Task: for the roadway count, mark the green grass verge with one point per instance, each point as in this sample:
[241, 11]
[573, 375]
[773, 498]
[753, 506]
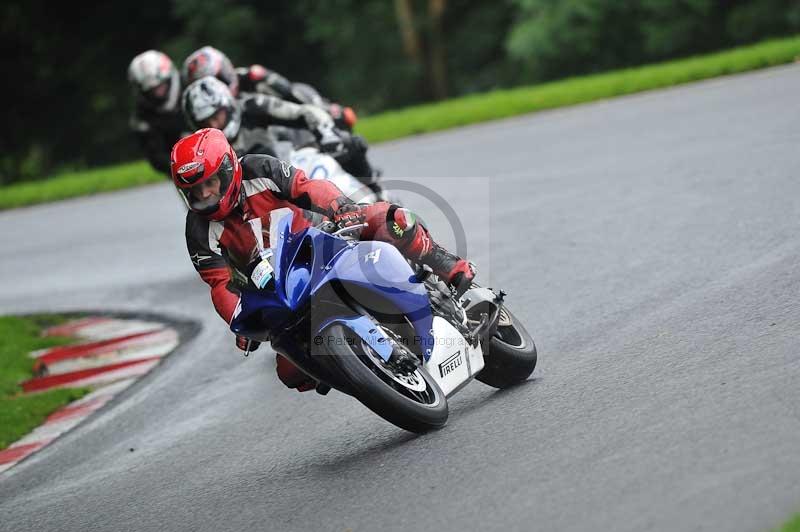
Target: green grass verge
[19, 414]
[453, 113]
[80, 183]
[510, 102]
[793, 525]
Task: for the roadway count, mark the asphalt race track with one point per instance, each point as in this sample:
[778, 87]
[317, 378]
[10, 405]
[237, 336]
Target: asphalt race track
[650, 243]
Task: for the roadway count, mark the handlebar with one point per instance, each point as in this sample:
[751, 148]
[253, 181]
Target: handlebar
[327, 227]
[334, 230]
[349, 229]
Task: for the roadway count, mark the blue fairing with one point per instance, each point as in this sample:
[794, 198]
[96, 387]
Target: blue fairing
[389, 277]
[366, 330]
[306, 261]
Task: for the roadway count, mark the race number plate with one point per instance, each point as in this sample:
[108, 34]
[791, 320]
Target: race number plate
[263, 271]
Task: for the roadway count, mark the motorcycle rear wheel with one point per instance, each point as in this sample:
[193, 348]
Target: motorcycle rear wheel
[510, 354]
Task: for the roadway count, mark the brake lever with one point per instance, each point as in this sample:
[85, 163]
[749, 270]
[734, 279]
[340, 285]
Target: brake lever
[350, 229]
[327, 227]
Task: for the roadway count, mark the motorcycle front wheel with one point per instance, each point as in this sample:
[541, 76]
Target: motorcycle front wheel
[411, 401]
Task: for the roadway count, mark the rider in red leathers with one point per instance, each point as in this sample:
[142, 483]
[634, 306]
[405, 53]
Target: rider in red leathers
[224, 193]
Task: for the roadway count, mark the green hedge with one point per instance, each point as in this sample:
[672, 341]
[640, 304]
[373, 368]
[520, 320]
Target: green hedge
[453, 113]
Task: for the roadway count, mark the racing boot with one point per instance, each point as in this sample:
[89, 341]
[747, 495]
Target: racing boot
[292, 376]
[458, 273]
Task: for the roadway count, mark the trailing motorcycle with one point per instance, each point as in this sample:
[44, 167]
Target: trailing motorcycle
[301, 149]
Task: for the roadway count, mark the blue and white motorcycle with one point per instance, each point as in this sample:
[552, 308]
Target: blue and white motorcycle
[355, 316]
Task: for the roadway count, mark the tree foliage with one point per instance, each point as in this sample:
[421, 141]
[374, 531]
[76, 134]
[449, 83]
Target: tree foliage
[68, 101]
[554, 38]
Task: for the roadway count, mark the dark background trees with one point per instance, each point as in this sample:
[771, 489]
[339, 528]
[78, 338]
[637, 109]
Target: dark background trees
[67, 99]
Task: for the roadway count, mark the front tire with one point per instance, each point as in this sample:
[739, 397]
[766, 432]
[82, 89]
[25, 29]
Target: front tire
[414, 402]
[510, 354]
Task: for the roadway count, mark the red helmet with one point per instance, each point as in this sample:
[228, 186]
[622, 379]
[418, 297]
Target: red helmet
[207, 173]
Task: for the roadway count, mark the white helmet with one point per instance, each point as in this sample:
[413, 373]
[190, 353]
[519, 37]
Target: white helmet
[150, 69]
[204, 98]
[208, 61]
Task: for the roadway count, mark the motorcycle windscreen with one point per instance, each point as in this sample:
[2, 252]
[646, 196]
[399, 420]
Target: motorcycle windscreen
[280, 221]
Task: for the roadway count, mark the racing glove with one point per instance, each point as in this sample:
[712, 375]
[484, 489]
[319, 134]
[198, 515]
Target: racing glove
[315, 117]
[348, 215]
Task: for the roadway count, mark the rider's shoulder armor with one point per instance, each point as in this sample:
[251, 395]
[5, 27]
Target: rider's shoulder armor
[274, 174]
[202, 241]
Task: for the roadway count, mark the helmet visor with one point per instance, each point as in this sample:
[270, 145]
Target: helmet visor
[204, 197]
[218, 120]
[159, 93]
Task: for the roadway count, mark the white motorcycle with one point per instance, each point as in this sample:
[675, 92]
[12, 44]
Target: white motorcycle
[316, 164]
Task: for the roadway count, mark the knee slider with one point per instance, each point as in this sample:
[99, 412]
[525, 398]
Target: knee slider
[402, 223]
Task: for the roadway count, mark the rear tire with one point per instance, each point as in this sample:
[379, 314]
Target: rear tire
[510, 354]
[420, 410]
